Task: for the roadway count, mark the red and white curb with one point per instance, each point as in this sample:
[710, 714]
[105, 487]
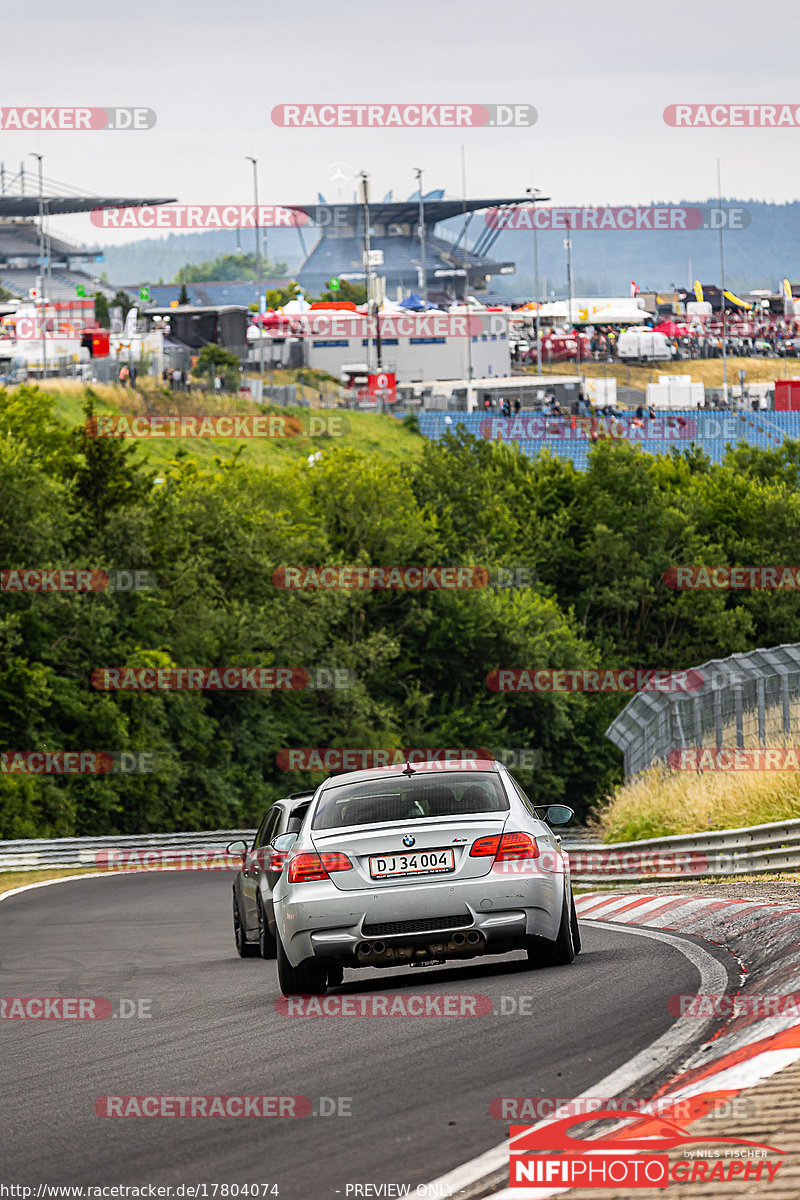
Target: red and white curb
[764, 937]
[746, 1050]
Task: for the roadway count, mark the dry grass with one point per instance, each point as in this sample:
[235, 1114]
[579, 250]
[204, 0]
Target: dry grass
[14, 879]
[661, 802]
[702, 370]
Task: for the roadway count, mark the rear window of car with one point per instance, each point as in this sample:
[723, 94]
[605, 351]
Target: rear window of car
[409, 798]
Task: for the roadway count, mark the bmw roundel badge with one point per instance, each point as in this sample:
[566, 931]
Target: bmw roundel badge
[408, 840]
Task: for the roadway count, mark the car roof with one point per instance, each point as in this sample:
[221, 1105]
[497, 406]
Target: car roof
[449, 766]
[291, 801]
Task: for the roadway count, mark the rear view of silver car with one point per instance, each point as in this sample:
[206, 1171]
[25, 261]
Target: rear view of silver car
[420, 864]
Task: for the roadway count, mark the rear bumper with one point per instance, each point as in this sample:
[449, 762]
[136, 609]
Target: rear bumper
[317, 920]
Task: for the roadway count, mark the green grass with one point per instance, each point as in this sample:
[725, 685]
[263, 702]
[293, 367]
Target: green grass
[367, 433]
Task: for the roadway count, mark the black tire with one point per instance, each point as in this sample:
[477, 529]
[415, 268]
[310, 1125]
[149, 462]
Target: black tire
[576, 929]
[267, 945]
[244, 948]
[335, 976]
[561, 952]
[309, 979]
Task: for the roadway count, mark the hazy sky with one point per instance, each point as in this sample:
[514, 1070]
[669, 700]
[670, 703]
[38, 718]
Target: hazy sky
[599, 75]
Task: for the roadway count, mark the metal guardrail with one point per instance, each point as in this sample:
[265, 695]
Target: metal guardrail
[723, 853]
[34, 854]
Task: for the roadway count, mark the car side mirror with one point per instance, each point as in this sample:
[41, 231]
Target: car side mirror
[239, 848]
[558, 814]
[284, 841]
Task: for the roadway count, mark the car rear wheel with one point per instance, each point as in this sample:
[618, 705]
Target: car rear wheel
[561, 952]
[308, 979]
[576, 930]
[266, 942]
[244, 948]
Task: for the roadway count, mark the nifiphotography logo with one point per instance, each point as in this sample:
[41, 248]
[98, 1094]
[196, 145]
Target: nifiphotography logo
[549, 1155]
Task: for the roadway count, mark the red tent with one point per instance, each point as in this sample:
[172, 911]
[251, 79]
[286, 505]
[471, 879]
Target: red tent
[672, 330]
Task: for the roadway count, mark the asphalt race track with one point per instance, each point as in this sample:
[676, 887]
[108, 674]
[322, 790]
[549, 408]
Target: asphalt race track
[419, 1087]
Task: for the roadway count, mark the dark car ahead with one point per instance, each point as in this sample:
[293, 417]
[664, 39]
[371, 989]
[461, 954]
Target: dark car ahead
[253, 915]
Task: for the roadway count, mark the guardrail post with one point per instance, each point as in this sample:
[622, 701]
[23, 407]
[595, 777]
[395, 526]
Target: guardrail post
[737, 711]
[786, 707]
[697, 713]
[718, 719]
[646, 747]
[762, 714]
[676, 735]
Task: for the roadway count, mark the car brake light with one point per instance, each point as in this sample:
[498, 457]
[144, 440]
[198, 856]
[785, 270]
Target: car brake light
[504, 849]
[277, 860]
[306, 868]
[485, 846]
[517, 845]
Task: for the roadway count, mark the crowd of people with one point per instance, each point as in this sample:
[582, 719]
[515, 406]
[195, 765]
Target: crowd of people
[766, 337]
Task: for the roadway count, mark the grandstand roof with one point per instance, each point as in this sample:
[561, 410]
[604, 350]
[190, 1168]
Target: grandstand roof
[23, 241]
[57, 206]
[402, 211]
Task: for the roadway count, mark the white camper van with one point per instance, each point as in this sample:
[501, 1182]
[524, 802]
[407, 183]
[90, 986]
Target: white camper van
[641, 343]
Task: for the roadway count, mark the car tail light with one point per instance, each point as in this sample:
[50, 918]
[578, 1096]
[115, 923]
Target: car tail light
[517, 845]
[306, 868]
[485, 846]
[277, 860]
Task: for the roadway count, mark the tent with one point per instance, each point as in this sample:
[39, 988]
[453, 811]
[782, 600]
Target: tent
[415, 302]
[671, 329]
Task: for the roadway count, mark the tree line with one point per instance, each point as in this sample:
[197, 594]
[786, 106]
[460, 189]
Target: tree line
[592, 548]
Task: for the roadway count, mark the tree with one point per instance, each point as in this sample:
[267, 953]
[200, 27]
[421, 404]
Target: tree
[101, 314]
[122, 300]
[355, 292]
[215, 360]
[229, 268]
[108, 473]
[183, 298]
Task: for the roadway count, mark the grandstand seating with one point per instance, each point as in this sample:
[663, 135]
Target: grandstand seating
[710, 430]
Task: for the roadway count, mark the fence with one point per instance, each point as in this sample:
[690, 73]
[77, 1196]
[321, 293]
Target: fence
[746, 701]
[724, 854]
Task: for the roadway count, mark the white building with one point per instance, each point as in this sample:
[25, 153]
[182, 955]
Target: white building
[419, 346]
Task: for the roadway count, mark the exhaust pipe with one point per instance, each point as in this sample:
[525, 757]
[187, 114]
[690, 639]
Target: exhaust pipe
[460, 945]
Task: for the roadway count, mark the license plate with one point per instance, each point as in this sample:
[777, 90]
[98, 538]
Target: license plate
[416, 862]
